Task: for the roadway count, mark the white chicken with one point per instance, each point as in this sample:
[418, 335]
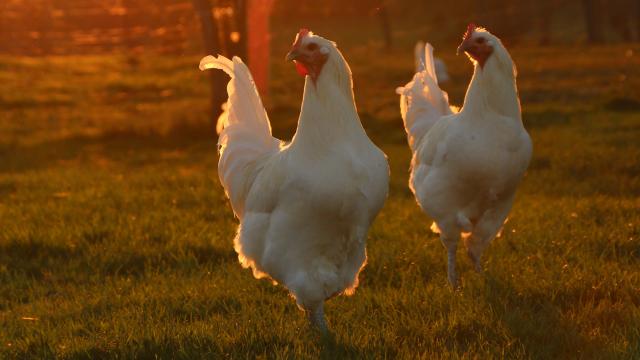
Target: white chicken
[466, 165]
[304, 207]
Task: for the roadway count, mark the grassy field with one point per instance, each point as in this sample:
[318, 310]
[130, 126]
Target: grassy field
[116, 237]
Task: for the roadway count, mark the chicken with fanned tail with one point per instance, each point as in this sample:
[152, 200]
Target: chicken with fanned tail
[467, 165]
[305, 207]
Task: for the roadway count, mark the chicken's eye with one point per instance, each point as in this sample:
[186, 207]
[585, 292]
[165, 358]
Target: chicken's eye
[480, 40]
[312, 46]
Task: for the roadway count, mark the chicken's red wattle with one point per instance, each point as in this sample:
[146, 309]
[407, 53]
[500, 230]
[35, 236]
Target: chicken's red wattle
[302, 70]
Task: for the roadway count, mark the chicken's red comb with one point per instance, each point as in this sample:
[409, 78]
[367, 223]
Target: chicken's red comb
[302, 33]
[470, 30]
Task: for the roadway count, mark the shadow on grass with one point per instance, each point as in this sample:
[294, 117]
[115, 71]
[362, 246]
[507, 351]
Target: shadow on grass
[535, 319]
[544, 119]
[38, 259]
[330, 349]
[269, 348]
[152, 349]
[128, 262]
[137, 147]
[189, 348]
[117, 145]
[192, 347]
[135, 263]
[623, 104]
[34, 257]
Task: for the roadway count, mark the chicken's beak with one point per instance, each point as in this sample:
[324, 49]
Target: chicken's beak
[465, 45]
[294, 54]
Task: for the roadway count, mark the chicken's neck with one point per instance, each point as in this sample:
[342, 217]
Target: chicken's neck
[493, 88]
[328, 116]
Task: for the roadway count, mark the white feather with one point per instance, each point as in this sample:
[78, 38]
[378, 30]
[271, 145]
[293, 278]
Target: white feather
[435, 66]
[245, 133]
[422, 102]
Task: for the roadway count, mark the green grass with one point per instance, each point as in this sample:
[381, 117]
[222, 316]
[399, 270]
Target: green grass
[116, 237]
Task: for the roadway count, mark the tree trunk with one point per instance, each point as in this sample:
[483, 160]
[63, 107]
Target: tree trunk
[258, 43]
[637, 38]
[592, 21]
[240, 12]
[127, 27]
[544, 20]
[41, 12]
[3, 37]
[217, 80]
[385, 25]
[480, 17]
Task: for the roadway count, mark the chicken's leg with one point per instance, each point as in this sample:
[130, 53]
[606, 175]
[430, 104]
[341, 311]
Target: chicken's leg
[316, 318]
[450, 235]
[485, 230]
[475, 254]
[451, 264]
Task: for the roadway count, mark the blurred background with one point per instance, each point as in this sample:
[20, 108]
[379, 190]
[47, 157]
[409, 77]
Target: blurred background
[38, 27]
[116, 236]
[139, 33]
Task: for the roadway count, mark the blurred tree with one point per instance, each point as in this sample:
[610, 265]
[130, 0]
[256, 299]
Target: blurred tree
[385, 25]
[544, 11]
[210, 39]
[3, 34]
[622, 17]
[258, 42]
[224, 31]
[592, 20]
[127, 25]
[41, 16]
[241, 8]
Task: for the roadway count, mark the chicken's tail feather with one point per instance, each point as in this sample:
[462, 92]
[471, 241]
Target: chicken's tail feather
[422, 102]
[419, 56]
[244, 128]
[244, 105]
